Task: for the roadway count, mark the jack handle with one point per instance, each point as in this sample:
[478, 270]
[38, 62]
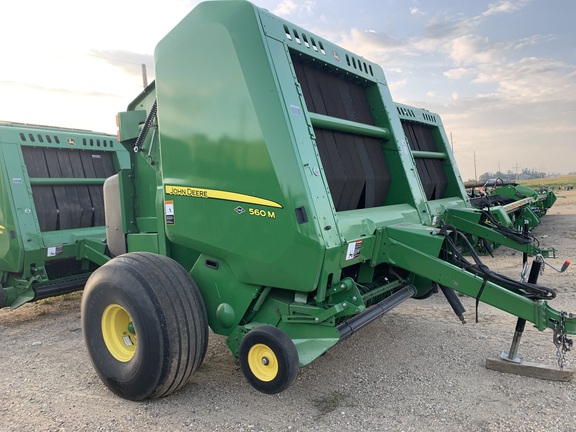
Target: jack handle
[561, 269]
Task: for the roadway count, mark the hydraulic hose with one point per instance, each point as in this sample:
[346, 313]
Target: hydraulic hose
[527, 289]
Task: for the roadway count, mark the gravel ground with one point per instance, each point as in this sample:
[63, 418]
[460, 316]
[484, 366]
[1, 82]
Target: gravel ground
[415, 369]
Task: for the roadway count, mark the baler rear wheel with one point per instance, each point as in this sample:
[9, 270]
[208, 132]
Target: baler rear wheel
[145, 325]
[268, 359]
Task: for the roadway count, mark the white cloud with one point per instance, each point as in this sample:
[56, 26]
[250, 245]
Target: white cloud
[455, 96]
[395, 85]
[416, 11]
[530, 41]
[472, 50]
[286, 7]
[430, 94]
[289, 7]
[531, 79]
[504, 6]
[377, 47]
[457, 73]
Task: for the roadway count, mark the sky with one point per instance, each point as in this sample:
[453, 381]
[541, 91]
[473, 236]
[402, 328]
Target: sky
[501, 74]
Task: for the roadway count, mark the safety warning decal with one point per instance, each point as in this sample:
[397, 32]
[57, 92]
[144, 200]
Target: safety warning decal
[169, 212]
[54, 251]
[354, 249]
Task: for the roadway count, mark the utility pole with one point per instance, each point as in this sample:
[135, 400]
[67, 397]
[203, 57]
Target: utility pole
[516, 166]
[144, 76]
[475, 173]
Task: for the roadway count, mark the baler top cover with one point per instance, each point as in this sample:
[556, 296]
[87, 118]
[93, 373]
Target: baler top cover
[265, 126]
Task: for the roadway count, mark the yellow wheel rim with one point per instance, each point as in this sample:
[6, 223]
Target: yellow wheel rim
[263, 362]
[119, 333]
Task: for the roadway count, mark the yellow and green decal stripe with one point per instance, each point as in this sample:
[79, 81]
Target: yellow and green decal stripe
[194, 192]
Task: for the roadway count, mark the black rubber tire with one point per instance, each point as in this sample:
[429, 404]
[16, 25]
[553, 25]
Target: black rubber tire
[284, 351]
[426, 295]
[169, 316]
[2, 297]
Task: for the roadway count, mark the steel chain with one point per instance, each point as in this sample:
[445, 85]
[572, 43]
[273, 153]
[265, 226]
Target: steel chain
[562, 343]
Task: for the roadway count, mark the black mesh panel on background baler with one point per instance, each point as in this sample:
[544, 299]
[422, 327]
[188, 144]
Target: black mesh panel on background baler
[431, 171]
[60, 207]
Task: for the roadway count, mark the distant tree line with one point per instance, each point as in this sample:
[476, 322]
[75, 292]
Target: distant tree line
[526, 174]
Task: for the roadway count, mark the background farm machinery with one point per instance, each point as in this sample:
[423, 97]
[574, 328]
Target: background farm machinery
[273, 191]
[521, 203]
[52, 228]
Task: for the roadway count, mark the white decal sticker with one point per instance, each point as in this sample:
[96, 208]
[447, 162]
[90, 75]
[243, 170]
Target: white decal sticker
[354, 249]
[169, 212]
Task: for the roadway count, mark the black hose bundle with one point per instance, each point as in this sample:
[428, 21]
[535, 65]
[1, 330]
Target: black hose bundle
[526, 289]
[490, 201]
[490, 221]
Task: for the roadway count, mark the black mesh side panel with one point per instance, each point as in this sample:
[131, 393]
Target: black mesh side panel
[332, 95]
[96, 194]
[68, 206]
[44, 201]
[332, 163]
[357, 174]
[354, 165]
[353, 170]
[66, 209]
[87, 209]
[423, 173]
[374, 165]
[70, 191]
[431, 171]
[434, 166]
[342, 166]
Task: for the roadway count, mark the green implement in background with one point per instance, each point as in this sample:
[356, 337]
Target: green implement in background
[51, 208]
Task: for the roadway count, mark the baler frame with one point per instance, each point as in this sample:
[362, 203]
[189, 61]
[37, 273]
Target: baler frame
[280, 197]
[327, 161]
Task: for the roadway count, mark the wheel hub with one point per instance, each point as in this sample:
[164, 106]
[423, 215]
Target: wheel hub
[119, 333]
[263, 362]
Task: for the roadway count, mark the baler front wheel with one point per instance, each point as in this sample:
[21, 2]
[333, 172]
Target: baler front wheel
[144, 324]
[268, 359]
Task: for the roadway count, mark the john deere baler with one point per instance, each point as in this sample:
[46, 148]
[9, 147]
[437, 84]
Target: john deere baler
[51, 208]
[278, 195]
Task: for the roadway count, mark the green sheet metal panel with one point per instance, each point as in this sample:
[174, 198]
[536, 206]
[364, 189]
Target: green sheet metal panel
[11, 247]
[228, 161]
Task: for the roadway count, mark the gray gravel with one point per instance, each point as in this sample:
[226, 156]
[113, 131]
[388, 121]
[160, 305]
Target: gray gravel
[416, 369]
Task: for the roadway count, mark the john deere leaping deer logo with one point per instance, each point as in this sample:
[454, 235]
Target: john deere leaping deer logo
[2, 228]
